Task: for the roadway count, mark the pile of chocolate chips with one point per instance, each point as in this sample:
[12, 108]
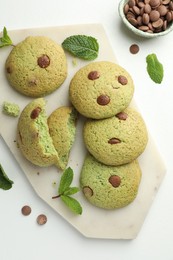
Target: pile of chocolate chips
[152, 16]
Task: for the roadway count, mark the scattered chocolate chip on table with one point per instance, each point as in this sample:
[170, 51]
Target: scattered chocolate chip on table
[134, 48]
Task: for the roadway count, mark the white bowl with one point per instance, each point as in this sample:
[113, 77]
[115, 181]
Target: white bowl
[134, 29]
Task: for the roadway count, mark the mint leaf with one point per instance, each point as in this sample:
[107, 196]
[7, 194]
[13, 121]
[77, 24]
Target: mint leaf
[65, 192]
[71, 191]
[72, 203]
[66, 180]
[154, 68]
[5, 39]
[5, 182]
[82, 46]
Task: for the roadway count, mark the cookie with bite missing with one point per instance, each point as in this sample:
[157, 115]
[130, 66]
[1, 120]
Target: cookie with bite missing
[109, 187]
[116, 140]
[36, 66]
[33, 136]
[62, 129]
[101, 89]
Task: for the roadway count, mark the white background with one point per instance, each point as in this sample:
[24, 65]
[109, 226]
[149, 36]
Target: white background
[20, 237]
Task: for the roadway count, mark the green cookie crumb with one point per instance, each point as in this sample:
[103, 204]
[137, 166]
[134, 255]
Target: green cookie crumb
[74, 62]
[11, 109]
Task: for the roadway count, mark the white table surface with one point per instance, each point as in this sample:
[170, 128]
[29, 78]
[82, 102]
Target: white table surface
[20, 237]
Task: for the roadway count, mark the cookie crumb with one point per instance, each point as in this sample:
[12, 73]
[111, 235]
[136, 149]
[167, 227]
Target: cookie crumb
[11, 109]
[74, 62]
[54, 183]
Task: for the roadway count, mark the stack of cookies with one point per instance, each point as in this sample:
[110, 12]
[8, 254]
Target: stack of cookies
[115, 134]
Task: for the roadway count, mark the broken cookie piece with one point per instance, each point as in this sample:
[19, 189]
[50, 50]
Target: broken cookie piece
[33, 135]
[62, 129]
[11, 109]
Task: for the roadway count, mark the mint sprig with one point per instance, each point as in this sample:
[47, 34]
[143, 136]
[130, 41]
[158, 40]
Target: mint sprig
[5, 182]
[66, 180]
[5, 40]
[154, 68]
[72, 203]
[65, 191]
[82, 46]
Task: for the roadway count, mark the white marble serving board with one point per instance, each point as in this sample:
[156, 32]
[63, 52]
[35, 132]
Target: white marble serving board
[94, 222]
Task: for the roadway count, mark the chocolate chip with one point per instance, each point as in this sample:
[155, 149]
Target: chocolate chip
[144, 13]
[165, 24]
[32, 82]
[26, 210]
[43, 61]
[134, 48]
[122, 116]
[126, 8]
[87, 191]
[165, 2]
[133, 21]
[154, 3]
[114, 141]
[141, 4]
[154, 15]
[122, 80]
[130, 15]
[171, 6]
[9, 70]
[103, 100]
[41, 219]
[143, 28]
[145, 18]
[136, 10]
[131, 3]
[115, 181]
[162, 10]
[139, 20]
[147, 8]
[169, 16]
[35, 113]
[93, 75]
[158, 24]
